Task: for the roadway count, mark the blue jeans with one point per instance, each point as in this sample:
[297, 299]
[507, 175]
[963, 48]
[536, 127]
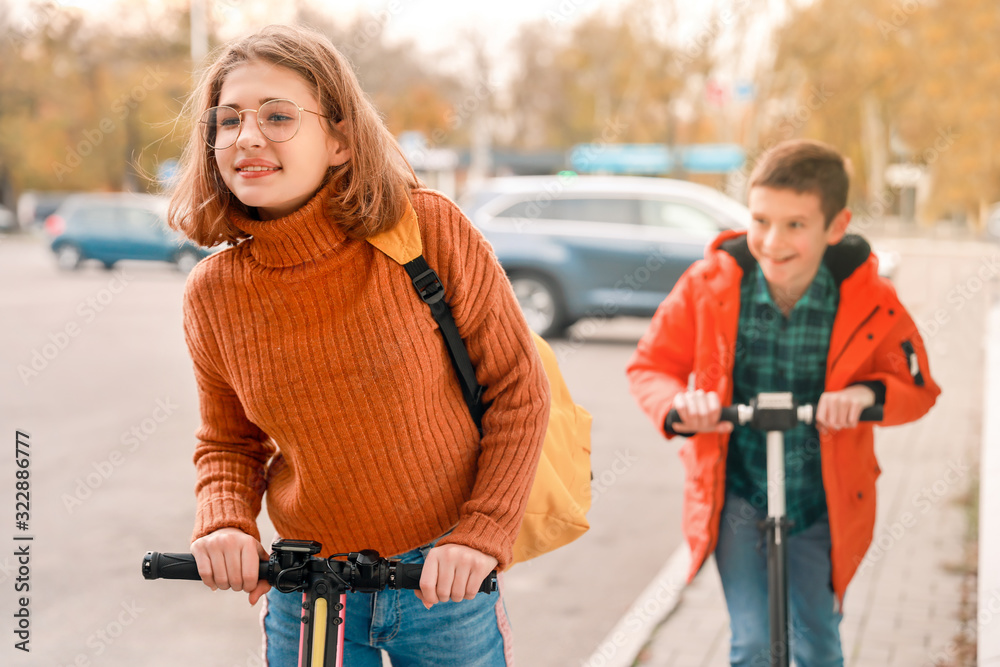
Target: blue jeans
[741, 555]
[473, 633]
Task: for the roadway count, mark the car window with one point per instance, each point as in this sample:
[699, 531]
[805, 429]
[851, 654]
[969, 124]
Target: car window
[578, 209]
[673, 215]
[103, 219]
[139, 221]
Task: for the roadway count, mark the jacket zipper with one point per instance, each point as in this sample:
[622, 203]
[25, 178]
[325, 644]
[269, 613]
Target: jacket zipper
[853, 334]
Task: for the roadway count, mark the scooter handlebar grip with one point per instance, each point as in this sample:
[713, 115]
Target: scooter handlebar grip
[729, 414]
[169, 566]
[180, 566]
[408, 576]
[872, 414]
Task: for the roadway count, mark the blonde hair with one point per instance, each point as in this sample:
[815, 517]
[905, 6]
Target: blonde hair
[370, 190]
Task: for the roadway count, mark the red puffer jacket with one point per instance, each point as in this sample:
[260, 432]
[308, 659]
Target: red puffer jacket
[873, 339]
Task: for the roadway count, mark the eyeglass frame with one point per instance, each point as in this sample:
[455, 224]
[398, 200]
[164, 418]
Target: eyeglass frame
[239, 114]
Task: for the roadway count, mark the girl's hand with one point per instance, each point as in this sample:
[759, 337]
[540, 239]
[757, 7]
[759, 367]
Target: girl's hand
[230, 559]
[699, 412]
[842, 409]
[453, 572]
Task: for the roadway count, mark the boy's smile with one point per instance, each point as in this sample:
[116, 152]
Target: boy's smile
[788, 237]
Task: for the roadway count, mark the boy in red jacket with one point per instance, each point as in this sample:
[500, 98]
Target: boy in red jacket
[793, 304]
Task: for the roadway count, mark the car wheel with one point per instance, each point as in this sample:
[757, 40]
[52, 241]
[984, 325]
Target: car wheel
[68, 257]
[185, 261]
[541, 304]
[108, 266]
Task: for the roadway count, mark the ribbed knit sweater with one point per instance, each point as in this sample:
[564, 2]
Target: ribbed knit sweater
[324, 381]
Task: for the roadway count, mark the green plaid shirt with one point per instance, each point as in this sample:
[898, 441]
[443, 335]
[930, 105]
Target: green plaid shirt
[775, 353]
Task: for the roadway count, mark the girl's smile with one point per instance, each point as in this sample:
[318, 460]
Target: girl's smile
[255, 168]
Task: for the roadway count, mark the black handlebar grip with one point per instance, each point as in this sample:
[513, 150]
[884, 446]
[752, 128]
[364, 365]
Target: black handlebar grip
[179, 566]
[408, 576]
[729, 414]
[872, 414]
[169, 566]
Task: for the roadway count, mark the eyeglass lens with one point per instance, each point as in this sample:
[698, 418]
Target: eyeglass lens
[278, 121]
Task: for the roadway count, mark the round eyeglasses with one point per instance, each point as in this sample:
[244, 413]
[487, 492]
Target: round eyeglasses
[279, 121]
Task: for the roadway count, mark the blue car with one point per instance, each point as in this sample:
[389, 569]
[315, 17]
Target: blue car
[596, 246]
[113, 227]
[601, 246]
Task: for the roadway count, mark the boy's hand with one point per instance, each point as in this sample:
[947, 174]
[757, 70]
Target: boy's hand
[842, 409]
[699, 412]
[453, 572]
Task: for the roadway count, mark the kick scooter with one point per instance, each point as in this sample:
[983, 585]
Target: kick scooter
[776, 413]
[324, 582]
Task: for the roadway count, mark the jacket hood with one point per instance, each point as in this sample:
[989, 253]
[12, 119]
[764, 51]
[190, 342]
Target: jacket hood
[843, 259]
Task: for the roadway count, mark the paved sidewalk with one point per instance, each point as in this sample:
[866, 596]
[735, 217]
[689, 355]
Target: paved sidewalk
[902, 609]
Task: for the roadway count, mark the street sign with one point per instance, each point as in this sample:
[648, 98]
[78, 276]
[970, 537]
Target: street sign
[621, 158]
[655, 159]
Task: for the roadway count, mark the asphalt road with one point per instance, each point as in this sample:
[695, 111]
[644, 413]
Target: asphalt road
[95, 370]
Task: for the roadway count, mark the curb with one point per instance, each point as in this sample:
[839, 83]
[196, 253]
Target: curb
[988, 649]
[622, 645]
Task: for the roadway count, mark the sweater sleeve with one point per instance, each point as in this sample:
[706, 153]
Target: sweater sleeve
[663, 360]
[231, 454]
[507, 364]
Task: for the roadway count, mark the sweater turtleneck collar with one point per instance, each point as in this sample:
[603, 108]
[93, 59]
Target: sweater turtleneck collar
[306, 235]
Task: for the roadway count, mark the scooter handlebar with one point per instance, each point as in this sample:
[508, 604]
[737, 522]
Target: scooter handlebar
[731, 414]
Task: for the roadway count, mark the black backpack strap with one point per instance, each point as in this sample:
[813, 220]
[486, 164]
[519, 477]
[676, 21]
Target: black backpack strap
[430, 289]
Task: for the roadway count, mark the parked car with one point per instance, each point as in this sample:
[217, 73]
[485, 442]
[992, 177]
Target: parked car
[8, 221]
[992, 229]
[585, 246]
[34, 207]
[113, 227]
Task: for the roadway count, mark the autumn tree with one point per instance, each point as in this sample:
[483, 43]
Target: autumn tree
[611, 76]
[893, 80]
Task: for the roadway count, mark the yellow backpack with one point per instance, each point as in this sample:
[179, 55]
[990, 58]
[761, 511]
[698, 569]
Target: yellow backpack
[560, 496]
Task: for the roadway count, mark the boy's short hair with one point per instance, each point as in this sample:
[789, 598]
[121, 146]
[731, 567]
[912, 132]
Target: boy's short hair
[804, 166]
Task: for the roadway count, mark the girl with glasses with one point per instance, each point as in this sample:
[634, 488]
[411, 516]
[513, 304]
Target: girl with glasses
[321, 376]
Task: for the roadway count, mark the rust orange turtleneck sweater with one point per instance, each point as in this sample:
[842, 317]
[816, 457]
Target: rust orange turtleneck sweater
[323, 380]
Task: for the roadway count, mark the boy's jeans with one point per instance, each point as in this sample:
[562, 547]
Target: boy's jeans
[471, 632]
[741, 555]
